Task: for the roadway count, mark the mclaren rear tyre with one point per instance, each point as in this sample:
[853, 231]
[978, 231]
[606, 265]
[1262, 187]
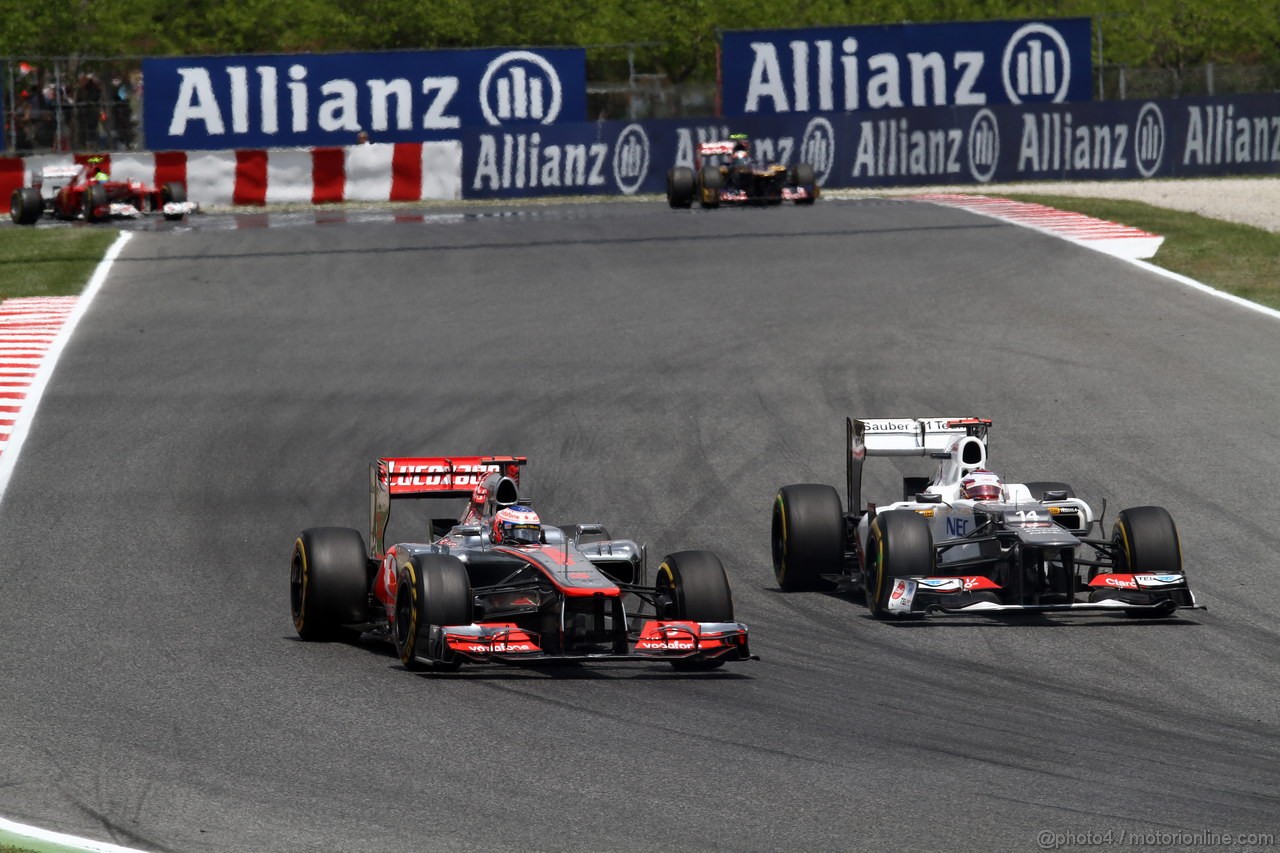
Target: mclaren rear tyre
[95, 198]
[710, 182]
[26, 206]
[900, 546]
[1145, 541]
[694, 587]
[680, 187]
[802, 176]
[431, 590]
[328, 583]
[807, 536]
[175, 193]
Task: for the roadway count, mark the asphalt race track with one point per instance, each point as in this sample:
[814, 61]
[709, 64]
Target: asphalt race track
[665, 371]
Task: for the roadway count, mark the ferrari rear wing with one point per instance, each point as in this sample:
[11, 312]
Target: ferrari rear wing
[902, 437]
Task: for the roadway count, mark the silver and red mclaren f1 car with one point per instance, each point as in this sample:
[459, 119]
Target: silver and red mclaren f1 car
[468, 593]
[963, 541]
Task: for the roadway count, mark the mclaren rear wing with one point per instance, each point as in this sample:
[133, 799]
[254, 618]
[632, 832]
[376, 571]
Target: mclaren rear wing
[905, 437]
[396, 477]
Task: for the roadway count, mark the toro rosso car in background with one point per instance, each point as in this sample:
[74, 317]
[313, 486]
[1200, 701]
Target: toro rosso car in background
[961, 541]
[724, 173]
[85, 192]
[495, 585]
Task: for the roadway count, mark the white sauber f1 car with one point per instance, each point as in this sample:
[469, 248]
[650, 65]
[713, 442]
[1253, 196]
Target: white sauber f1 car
[960, 541]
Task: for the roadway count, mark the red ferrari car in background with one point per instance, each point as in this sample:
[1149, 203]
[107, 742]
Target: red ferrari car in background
[86, 192]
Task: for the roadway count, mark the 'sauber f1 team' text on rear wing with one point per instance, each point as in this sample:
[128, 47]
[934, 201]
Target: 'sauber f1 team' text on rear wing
[905, 437]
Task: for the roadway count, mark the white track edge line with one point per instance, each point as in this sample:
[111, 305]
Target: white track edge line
[9, 458]
[1149, 267]
[38, 834]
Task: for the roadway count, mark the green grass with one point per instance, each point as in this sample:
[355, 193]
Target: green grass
[1239, 259]
[49, 261]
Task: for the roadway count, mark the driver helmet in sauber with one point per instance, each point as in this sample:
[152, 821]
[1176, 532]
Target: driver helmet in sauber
[981, 485]
[516, 525]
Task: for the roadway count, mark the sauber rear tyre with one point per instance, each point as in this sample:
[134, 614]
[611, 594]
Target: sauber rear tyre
[328, 583]
[680, 187]
[1145, 541]
[807, 536]
[900, 546]
[25, 206]
[431, 590]
[696, 589]
[95, 198]
[802, 176]
[176, 193]
[710, 180]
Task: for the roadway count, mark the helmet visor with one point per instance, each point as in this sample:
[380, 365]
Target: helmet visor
[526, 534]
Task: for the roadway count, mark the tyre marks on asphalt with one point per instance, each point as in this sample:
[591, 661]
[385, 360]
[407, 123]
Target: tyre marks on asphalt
[28, 328]
[1113, 238]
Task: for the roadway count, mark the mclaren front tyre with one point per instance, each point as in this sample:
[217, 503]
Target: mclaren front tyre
[692, 586]
[432, 590]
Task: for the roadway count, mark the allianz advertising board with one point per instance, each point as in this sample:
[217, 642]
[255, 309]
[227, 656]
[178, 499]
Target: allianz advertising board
[280, 101]
[839, 69]
[1092, 140]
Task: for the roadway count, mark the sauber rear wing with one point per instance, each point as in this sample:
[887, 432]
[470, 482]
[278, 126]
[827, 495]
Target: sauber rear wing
[902, 437]
[429, 477]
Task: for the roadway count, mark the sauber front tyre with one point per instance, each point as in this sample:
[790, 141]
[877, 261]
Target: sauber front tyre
[900, 545]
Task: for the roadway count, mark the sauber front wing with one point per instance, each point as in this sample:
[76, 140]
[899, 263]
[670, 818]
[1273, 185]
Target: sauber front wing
[1151, 594]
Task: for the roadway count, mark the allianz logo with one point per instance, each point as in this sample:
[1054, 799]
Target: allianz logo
[520, 85]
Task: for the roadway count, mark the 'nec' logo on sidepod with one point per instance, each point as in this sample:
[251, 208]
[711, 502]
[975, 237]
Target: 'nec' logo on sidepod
[520, 86]
[1036, 65]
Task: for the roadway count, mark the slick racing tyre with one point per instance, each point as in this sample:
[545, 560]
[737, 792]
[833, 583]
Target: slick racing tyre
[694, 588]
[709, 183]
[807, 535]
[802, 176]
[680, 187]
[176, 193]
[25, 206]
[431, 589]
[95, 198]
[1145, 541]
[900, 546]
[328, 583]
